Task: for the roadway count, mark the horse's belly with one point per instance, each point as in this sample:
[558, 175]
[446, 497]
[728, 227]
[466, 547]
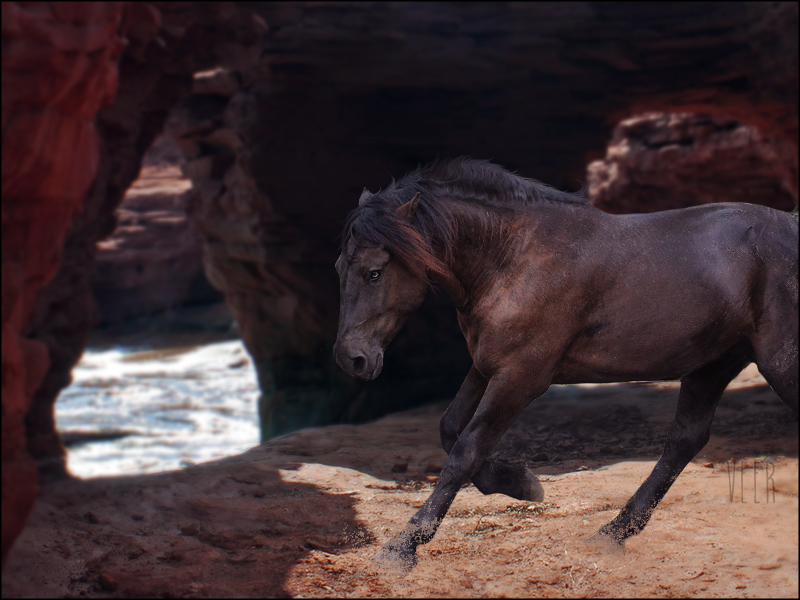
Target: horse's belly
[600, 373]
[628, 357]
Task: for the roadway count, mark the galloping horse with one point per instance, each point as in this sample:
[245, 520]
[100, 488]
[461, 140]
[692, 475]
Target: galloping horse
[552, 290]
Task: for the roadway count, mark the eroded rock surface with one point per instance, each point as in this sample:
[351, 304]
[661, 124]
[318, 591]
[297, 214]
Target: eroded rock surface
[664, 161]
[166, 44]
[70, 150]
[344, 97]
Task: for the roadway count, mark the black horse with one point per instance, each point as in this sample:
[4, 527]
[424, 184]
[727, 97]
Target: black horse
[551, 290]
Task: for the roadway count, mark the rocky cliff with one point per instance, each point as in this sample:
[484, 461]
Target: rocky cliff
[165, 45]
[153, 261]
[86, 90]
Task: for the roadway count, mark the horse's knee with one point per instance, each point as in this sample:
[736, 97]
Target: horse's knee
[463, 459]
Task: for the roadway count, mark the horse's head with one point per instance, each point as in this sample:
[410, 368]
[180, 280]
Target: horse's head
[377, 294]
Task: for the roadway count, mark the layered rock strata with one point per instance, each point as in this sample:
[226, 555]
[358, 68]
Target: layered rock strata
[153, 261]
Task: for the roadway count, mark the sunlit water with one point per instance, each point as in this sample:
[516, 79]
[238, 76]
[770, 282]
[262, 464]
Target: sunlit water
[177, 407]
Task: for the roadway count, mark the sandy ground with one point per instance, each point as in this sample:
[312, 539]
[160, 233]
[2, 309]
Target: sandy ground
[303, 514]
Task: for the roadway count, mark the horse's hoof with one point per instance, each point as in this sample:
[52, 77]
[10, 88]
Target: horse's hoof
[395, 558]
[607, 542]
[533, 490]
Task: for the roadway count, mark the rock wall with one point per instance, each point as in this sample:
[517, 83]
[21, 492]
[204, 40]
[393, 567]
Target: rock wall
[664, 161]
[275, 268]
[167, 43]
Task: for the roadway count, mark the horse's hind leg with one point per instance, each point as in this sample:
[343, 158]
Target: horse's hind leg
[688, 434]
[491, 477]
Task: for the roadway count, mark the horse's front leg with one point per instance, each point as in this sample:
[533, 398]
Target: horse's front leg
[504, 399]
[491, 477]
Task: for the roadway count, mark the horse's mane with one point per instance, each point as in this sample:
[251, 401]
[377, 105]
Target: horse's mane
[434, 225]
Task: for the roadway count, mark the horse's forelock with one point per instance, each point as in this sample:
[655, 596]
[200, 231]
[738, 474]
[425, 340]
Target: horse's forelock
[381, 226]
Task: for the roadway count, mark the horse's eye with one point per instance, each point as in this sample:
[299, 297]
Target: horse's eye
[374, 275]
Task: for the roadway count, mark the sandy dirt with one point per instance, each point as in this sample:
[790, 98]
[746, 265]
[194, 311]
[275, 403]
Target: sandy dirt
[303, 514]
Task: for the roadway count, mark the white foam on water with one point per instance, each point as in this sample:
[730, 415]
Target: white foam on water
[180, 407]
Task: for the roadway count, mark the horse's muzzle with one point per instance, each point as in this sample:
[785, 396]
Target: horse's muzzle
[357, 363]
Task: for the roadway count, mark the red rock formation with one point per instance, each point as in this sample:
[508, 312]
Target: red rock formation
[167, 43]
[658, 162]
[59, 69]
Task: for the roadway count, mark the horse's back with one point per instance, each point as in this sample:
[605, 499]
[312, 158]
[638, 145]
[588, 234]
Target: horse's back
[736, 234]
[682, 286]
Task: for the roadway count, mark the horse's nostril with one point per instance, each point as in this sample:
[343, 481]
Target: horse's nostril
[359, 364]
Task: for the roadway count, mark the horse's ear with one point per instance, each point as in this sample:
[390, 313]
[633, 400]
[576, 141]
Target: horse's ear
[408, 209]
[364, 195]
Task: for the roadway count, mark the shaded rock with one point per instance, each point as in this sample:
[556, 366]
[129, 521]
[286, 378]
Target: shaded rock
[343, 99]
[217, 82]
[107, 582]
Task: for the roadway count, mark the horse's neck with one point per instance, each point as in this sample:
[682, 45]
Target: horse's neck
[483, 245]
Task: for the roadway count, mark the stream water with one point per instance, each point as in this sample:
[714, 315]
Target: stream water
[131, 410]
